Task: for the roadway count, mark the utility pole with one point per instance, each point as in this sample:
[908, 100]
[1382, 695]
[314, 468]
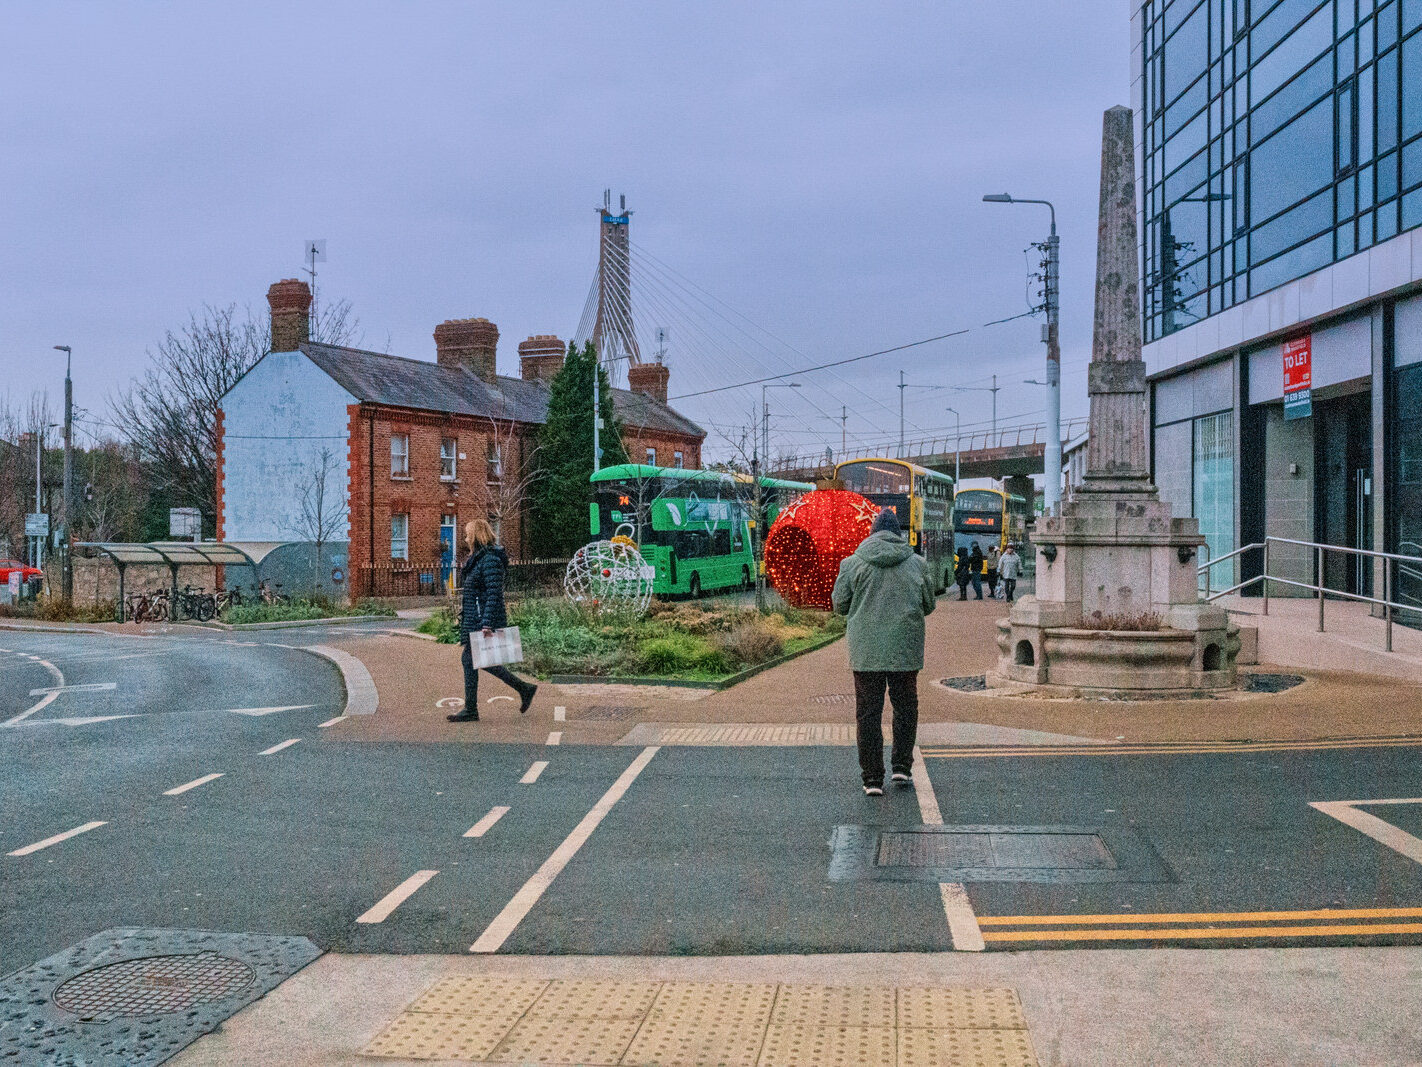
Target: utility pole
[902, 387]
[758, 538]
[993, 389]
[957, 448]
[843, 431]
[1051, 263]
[597, 413]
[38, 560]
[66, 586]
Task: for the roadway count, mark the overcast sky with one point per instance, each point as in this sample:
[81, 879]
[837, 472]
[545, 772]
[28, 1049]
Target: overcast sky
[815, 167]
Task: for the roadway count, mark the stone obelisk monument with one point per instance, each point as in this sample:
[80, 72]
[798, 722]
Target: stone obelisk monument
[1117, 605]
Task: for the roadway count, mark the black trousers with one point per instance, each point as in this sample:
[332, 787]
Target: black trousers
[992, 581]
[869, 713]
[978, 583]
[471, 679]
[1011, 584]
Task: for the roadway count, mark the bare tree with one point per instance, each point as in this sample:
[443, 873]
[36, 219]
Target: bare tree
[170, 413]
[22, 424]
[324, 508]
[511, 471]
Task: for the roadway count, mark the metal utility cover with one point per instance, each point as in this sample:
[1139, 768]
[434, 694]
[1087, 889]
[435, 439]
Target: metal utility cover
[993, 854]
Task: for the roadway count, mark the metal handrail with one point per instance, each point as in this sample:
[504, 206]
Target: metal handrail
[1317, 587]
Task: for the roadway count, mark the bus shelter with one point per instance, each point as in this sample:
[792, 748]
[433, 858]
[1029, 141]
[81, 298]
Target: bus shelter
[172, 554]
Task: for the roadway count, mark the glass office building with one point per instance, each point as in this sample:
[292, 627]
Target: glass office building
[1280, 153]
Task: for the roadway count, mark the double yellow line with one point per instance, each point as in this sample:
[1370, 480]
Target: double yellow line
[1325, 922]
[1172, 748]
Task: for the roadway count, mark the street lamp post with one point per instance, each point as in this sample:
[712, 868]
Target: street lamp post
[758, 531]
[66, 588]
[1052, 491]
[957, 447]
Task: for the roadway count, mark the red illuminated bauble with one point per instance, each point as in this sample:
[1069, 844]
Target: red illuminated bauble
[810, 539]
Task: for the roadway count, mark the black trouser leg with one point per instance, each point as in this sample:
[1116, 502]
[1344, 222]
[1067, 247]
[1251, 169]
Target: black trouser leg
[978, 584]
[1011, 584]
[508, 677]
[992, 583]
[903, 695]
[868, 714]
[471, 680]
[962, 589]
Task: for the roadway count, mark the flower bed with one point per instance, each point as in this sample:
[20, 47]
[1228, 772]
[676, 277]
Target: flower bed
[684, 641]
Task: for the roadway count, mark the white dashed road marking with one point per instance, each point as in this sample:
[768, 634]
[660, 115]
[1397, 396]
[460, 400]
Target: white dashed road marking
[556, 737]
[560, 713]
[193, 784]
[482, 827]
[44, 701]
[332, 722]
[279, 747]
[57, 838]
[523, 901]
[87, 687]
[396, 897]
[268, 711]
[531, 775]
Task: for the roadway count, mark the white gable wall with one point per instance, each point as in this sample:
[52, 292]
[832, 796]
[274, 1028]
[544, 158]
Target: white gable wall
[276, 422]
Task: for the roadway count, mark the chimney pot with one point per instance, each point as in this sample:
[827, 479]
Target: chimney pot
[540, 357]
[290, 303]
[469, 343]
[649, 378]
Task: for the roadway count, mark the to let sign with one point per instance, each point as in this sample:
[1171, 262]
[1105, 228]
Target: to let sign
[1298, 378]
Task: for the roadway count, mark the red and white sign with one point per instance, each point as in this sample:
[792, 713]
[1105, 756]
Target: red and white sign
[1298, 364]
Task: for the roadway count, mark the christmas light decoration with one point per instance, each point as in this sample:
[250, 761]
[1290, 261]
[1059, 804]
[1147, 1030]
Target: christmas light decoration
[610, 576]
[810, 539]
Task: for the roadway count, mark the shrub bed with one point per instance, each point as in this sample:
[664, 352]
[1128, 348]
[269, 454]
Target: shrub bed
[53, 609]
[685, 641]
[302, 610]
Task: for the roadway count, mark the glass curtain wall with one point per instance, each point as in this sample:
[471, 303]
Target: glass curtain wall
[1277, 139]
[1407, 488]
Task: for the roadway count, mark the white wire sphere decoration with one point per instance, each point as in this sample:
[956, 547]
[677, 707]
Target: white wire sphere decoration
[609, 575]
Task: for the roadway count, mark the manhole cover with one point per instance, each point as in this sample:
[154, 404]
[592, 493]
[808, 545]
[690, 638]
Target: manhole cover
[610, 712]
[1272, 683]
[832, 698]
[155, 985]
[994, 854]
[973, 683]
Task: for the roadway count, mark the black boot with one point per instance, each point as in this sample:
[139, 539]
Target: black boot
[527, 697]
[464, 716]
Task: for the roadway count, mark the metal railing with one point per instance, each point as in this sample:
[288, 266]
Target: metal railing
[942, 445]
[1321, 592]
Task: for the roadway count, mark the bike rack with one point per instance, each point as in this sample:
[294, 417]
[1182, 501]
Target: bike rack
[173, 554]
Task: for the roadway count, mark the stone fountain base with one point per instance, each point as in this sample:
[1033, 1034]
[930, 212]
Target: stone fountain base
[1194, 653]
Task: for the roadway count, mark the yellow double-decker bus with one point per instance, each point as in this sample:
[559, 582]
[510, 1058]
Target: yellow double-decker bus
[923, 500]
[988, 517]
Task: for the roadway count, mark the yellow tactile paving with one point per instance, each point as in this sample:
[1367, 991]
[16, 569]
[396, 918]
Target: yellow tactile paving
[959, 1009]
[928, 1047]
[426, 1036]
[580, 1041]
[727, 1024]
[478, 995]
[836, 1006]
[810, 1045]
[595, 998]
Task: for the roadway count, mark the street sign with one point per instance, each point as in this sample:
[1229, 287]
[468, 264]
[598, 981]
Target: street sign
[37, 525]
[1298, 377]
[185, 523]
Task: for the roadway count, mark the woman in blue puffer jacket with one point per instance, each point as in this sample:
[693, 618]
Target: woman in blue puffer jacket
[482, 578]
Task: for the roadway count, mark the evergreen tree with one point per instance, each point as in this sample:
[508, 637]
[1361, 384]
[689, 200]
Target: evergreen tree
[562, 493]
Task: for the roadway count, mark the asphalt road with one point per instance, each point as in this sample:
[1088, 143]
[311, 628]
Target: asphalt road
[623, 850]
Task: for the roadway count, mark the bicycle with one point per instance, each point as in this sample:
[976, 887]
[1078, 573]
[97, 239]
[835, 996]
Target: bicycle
[226, 598]
[269, 596]
[197, 604]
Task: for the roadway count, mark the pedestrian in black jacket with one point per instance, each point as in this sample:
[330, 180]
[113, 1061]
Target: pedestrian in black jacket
[482, 611]
[977, 564]
[961, 572]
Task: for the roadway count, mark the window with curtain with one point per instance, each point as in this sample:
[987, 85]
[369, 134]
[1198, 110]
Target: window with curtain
[399, 537]
[399, 455]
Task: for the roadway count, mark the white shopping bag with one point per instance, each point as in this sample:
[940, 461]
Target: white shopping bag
[505, 646]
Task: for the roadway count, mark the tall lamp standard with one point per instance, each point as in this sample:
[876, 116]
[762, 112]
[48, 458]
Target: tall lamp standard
[957, 447]
[1052, 491]
[758, 531]
[66, 588]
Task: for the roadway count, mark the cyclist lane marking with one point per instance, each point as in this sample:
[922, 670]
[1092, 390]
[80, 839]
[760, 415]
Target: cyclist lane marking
[193, 784]
[57, 838]
[504, 924]
[484, 825]
[531, 775]
[397, 896]
[279, 746]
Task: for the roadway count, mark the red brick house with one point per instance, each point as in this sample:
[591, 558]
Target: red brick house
[402, 451]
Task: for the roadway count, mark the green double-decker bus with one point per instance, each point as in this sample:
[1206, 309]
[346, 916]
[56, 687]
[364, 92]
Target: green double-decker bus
[693, 526]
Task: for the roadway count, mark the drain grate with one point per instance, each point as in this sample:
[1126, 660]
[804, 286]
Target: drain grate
[157, 985]
[973, 683]
[1272, 683]
[993, 854]
[610, 712]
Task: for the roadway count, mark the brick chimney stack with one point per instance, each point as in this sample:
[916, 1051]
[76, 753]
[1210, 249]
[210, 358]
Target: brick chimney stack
[470, 343]
[290, 301]
[540, 358]
[649, 378]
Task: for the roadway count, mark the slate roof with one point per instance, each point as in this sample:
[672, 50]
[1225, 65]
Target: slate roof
[418, 383]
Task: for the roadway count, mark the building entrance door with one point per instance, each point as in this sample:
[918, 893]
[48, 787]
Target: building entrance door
[1344, 490]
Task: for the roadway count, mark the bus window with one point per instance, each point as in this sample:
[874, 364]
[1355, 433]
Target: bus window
[721, 543]
[738, 535]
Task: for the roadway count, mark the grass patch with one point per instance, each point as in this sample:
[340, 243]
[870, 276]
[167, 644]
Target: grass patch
[302, 611]
[53, 609]
[684, 641]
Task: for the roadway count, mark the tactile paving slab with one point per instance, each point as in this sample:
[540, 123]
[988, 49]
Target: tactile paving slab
[965, 1048]
[480, 995]
[959, 1009]
[834, 1005]
[808, 1045]
[581, 1041]
[131, 997]
[430, 1036]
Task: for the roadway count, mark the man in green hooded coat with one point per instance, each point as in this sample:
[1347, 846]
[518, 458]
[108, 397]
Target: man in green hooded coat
[886, 591]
